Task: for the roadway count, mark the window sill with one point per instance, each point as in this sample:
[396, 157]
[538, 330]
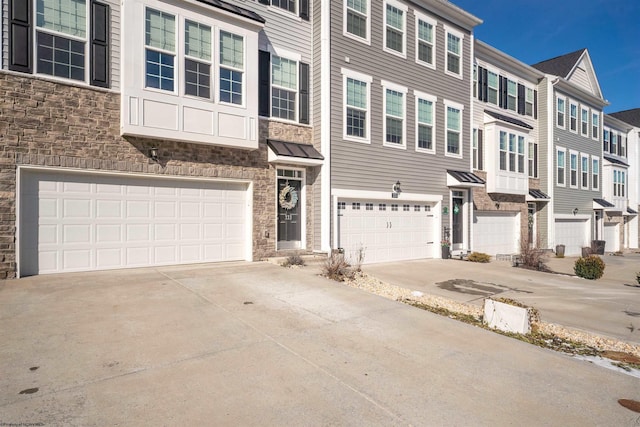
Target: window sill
[356, 139]
[454, 155]
[280, 11]
[396, 146]
[427, 65]
[452, 74]
[395, 52]
[425, 151]
[366, 41]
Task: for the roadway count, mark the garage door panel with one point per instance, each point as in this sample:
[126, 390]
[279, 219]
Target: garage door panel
[138, 209]
[76, 260]
[573, 234]
[495, 232]
[109, 208]
[108, 258]
[76, 234]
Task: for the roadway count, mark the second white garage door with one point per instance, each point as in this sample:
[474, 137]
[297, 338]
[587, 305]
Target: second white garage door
[612, 236]
[386, 231]
[573, 234]
[495, 232]
[77, 222]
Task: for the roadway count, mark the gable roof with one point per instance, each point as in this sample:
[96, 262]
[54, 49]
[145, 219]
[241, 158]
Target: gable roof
[560, 65]
[628, 116]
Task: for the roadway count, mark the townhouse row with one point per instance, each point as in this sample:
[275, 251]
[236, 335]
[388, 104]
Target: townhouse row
[154, 132]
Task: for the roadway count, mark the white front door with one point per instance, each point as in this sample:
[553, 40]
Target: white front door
[80, 222]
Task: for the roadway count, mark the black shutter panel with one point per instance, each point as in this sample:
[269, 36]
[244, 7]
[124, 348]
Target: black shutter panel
[20, 36]
[264, 1]
[503, 92]
[264, 77]
[304, 93]
[535, 104]
[485, 85]
[100, 64]
[521, 95]
[535, 161]
[480, 83]
[480, 150]
[500, 88]
[304, 9]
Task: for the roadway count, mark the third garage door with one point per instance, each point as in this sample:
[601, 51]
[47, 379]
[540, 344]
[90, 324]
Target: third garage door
[386, 231]
[572, 233]
[495, 232]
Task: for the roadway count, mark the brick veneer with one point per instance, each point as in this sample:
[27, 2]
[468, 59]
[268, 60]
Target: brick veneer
[49, 124]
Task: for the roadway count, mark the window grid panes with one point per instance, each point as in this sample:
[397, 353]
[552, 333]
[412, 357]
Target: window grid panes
[357, 17]
[528, 105]
[584, 121]
[595, 173]
[512, 152]
[425, 124]
[395, 29]
[288, 5]
[584, 171]
[231, 68]
[520, 154]
[573, 167]
[512, 95]
[533, 160]
[492, 88]
[453, 53]
[560, 110]
[197, 76]
[356, 108]
[60, 57]
[160, 49]
[595, 125]
[453, 130]
[573, 117]
[503, 151]
[560, 167]
[425, 42]
[65, 16]
[284, 81]
[394, 117]
[197, 73]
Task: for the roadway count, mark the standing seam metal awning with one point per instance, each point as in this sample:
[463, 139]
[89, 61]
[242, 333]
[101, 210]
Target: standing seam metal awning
[293, 153]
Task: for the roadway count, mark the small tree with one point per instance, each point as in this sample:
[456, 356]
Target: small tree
[532, 257]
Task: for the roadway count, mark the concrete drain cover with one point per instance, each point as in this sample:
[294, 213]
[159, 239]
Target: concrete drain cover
[633, 405]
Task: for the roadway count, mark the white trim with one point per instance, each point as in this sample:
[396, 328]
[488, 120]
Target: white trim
[584, 156]
[564, 113]
[573, 103]
[404, 91]
[345, 33]
[583, 109]
[405, 9]
[597, 114]
[291, 15]
[346, 74]
[384, 195]
[460, 107]
[433, 99]
[577, 154]
[434, 23]
[289, 160]
[284, 53]
[564, 170]
[448, 30]
[599, 174]
[325, 127]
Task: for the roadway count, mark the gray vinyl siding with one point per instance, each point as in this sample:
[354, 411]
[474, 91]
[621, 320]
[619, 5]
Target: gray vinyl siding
[317, 124]
[284, 30]
[374, 167]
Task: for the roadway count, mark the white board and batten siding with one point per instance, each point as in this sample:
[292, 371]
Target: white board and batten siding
[82, 222]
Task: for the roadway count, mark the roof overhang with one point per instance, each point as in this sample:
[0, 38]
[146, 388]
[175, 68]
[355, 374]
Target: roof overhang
[463, 179]
[630, 212]
[537, 196]
[507, 119]
[493, 56]
[603, 204]
[451, 12]
[615, 161]
[293, 153]
[570, 89]
[232, 10]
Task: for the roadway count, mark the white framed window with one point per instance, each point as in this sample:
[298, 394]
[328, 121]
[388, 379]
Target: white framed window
[573, 117]
[528, 101]
[453, 57]
[561, 167]
[512, 95]
[584, 121]
[425, 38]
[160, 50]
[453, 131]
[231, 68]
[561, 111]
[606, 139]
[613, 148]
[521, 154]
[504, 151]
[477, 145]
[595, 126]
[595, 173]
[573, 169]
[584, 171]
[619, 183]
[197, 59]
[357, 106]
[357, 23]
[492, 87]
[395, 33]
[533, 159]
[286, 5]
[394, 121]
[284, 88]
[425, 122]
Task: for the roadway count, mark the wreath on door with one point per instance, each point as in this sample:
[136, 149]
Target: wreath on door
[288, 198]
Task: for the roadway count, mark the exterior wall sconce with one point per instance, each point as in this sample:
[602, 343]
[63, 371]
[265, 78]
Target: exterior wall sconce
[396, 190]
[575, 211]
[153, 154]
[497, 205]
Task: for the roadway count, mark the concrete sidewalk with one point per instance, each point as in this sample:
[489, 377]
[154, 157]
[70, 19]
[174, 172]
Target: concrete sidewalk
[609, 306]
[258, 344]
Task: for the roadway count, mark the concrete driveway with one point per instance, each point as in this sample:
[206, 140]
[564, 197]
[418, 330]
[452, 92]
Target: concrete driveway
[609, 306]
[258, 344]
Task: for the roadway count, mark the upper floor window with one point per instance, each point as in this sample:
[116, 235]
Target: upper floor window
[395, 24]
[622, 145]
[606, 137]
[160, 48]
[561, 164]
[425, 38]
[619, 179]
[595, 125]
[533, 159]
[492, 87]
[584, 171]
[454, 129]
[573, 117]
[584, 121]
[357, 18]
[284, 87]
[394, 124]
[454, 53]
[573, 169]
[356, 119]
[528, 102]
[425, 113]
[512, 152]
[288, 5]
[300, 8]
[231, 67]
[595, 173]
[560, 112]
[197, 60]
[613, 148]
[512, 95]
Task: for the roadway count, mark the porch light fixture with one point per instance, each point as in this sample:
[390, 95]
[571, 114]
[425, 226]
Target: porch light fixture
[575, 211]
[396, 187]
[153, 154]
[497, 205]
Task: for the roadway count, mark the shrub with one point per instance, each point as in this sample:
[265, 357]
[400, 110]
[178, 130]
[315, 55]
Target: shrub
[336, 267]
[532, 257]
[591, 267]
[294, 260]
[479, 257]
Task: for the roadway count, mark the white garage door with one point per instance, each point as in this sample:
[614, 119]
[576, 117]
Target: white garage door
[495, 232]
[573, 234]
[386, 231]
[612, 236]
[74, 222]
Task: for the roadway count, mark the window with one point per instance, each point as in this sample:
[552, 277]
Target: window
[623, 146]
[512, 95]
[528, 102]
[369, 206]
[584, 121]
[595, 173]
[573, 117]
[619, 183]
[454, 129]
[533, 159]
[356, 111]
[573, 169]
[357, 18]
[342, 206]
[355, 206]
[197, 60]
[160, 47]
[424, 122]
[454, 53]
[395, 23]
[416, 208]
[394, 207]
[503, 151]
[520, 154]
[492, 87]
[405, 208]
[231, 67]
[478, 150]
[425, 38]
[382, 207]
[606, 137]
[595, 125]
[614, 142]
[288, 5]
[512, 152]
[584, 171]
[560, 166]
[560, 112]
[284, 87]
[394, 115]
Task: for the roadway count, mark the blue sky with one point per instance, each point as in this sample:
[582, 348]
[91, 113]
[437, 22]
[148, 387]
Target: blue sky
[533, 31]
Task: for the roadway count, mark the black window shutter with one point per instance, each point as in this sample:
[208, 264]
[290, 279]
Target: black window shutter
[20, 36]
[304, 9]
[265, 1]
[503, 92]
[535, 161]
[521, 99]
[264, 78]
[480, 83]
[485, 85]
[100, 64]
[304, 93]
[480, 151]
[535, 104]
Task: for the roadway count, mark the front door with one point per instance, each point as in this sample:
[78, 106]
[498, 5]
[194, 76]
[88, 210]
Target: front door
[289, 212]
[457, 220]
